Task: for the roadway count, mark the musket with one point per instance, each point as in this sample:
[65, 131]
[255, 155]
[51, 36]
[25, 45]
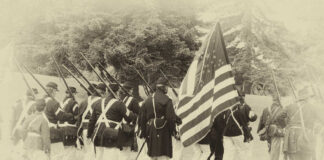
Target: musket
[98, 75]
[76, 79]
[61, 75]
[114, 79]
[275, 84]
[85, 79]
[40, 84]
[142, 77]
[173, 90]
[292, 88]
[23, 76]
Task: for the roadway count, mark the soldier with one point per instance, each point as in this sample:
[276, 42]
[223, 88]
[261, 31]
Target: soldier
[271, 128]
[23, 108]
[128, 140]
[36, 130]
[105, 124]
[54, 113]
[158, 122]
[69, 129]
[85, 111]
[299, 141]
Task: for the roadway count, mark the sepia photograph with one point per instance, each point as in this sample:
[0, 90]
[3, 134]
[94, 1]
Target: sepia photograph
[162, 79]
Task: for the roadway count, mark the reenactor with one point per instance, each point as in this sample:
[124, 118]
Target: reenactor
[23, 108]
[36, 133]
[69, 128]
[271, 128]
[158, 122]
[128, 140]
[55, 113]
[299, 140]
[85, 111]
[105, 125]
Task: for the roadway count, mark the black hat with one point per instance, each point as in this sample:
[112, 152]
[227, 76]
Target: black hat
[101, 87]
[161, 82]
[128, 85]
[32, 91]
[114, 87]
[72, 89]
[40, 104]
[52, 85]
[92, 87]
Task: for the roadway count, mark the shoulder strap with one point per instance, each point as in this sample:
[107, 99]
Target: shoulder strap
[129, 100]
[104, 110]
[154, 110]
[89, 106]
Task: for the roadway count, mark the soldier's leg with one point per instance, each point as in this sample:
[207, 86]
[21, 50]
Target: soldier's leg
[99, 153]
[229, 148]
[57, 151]
[242, 149]
[276, 151]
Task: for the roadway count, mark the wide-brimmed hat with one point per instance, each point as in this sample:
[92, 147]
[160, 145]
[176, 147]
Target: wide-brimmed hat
[128, 85]
[114, 87]
[52, 85]
[161, 82]
[101, 86]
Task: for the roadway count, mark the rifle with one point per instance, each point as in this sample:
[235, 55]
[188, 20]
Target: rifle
[114, 79]
[275, 84]
[98, 75]
[61, 75]
[142, 77]
[75, 68]
[31, 74]
[23, 76]
[76, 79]
[173, 90]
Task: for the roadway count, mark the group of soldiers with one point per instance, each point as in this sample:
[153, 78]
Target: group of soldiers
[295, 131]
[104, 125]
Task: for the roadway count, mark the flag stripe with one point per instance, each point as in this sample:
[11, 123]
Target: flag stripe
[197, 136]
[204, 90]
[224, 106]
[195, 129]
[223, 91]
[224, 98]
[196, 116]
[195, 106]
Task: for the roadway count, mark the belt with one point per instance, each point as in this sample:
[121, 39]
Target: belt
[52, 125]
[65, 124]
[33, 134]
[107, 121]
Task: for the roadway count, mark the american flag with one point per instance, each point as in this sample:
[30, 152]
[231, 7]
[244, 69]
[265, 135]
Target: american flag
[207, 89]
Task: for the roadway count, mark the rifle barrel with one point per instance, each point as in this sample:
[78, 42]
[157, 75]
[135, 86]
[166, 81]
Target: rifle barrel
[142, 77]
[76, 79]
[61, 75]
[79, 72]
[98, 75]
[173, 90]
[23, 76]
[114, 79]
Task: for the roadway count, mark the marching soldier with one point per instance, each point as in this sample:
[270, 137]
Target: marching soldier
[23, 108]
[158, 122]
[299, 140]
[54, 113]
[36, 130]
[105, 124]
[128, 140]
[69, 129]
[85, 111]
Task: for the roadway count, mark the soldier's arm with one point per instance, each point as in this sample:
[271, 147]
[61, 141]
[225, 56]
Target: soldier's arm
[81, 109]
[60, 114]
[127, 114]
[135, 107]
[45, 134]
[92, 122]
[171, 117]
[142, 121]
[262, 120]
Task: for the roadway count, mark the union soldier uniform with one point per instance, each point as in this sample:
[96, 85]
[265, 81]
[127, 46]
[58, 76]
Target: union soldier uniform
[37, 134]
[85, 111]
[271, 126]
[299, 141]
[158, 121]
[54, 113]
[105, 125]
[24, 108]
[69, 128]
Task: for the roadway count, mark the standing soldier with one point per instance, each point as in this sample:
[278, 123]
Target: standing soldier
[23, 108]
[69, 129]
[158, 122]
[128, 140]
[85, 111]
[105, 124]
[36, 130]
[271, 126]
[54, 114]
[299, 141]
